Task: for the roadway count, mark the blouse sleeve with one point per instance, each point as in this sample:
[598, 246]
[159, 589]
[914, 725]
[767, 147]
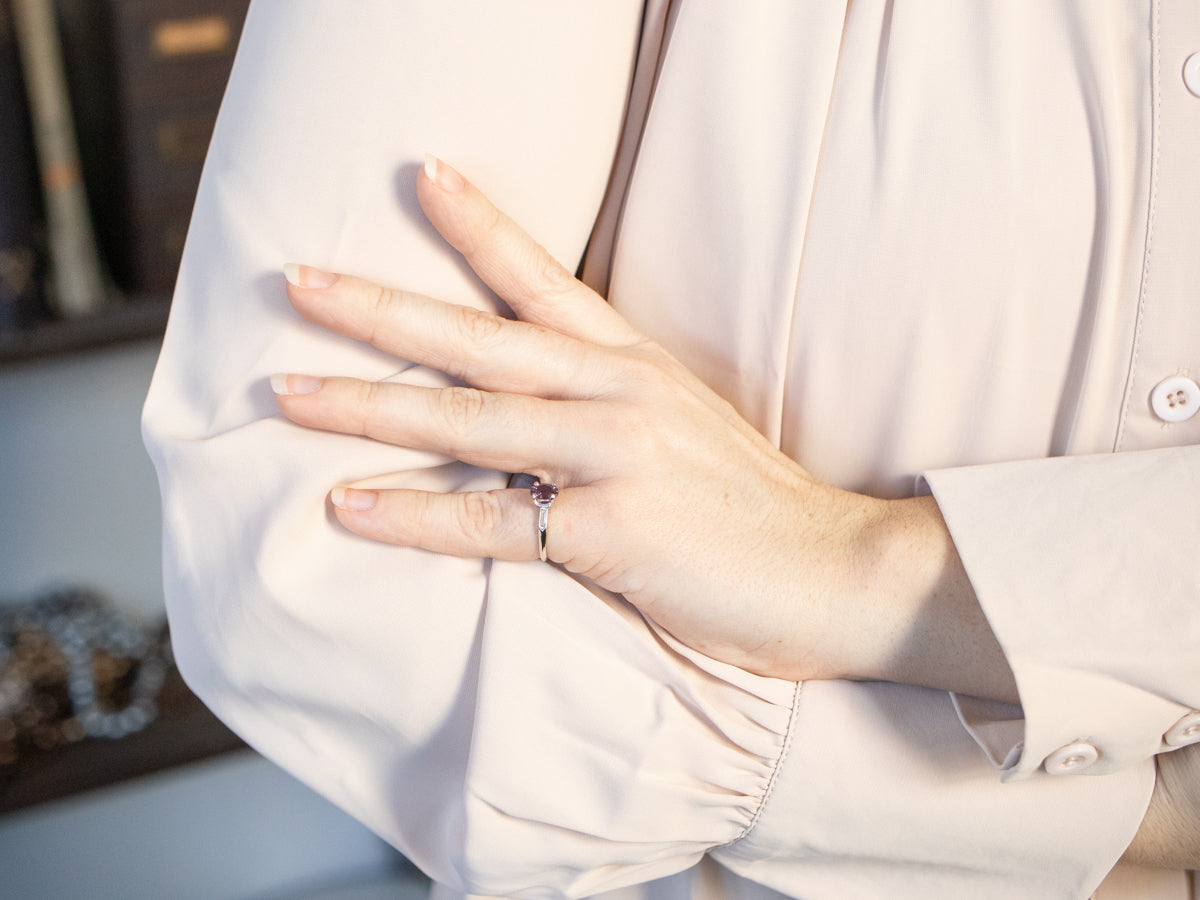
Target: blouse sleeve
[504, 726]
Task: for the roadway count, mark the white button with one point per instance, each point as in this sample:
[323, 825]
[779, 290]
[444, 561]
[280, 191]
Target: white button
[1191, 73]
[1175, 399]
[1185, 731]
[1071, 759]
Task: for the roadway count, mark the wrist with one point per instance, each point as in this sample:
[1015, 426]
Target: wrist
[919, 614]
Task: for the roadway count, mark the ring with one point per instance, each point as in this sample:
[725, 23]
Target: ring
[543, 495]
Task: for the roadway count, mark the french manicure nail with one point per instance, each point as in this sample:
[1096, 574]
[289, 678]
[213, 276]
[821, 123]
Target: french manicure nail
[307, 276]
[287, 385]
[353, 499]
[443, 175]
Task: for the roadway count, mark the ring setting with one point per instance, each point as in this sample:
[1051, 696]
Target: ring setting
[543, 495]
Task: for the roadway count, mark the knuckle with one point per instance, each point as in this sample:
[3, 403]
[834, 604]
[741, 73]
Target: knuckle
[380, 299]
[649, 352]
[480, 329]
[493, 223]
[380, 303]
[656, 375]
[460, 408]
[369, 404]
[642, 435]
[479, 514]
[554, 276]
[643, 369]
[483, 232]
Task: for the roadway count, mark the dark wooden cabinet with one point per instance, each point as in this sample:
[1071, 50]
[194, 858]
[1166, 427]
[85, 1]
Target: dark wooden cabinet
[170, 60]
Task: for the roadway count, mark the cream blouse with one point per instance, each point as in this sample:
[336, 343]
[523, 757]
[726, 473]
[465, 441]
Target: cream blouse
[945, 246]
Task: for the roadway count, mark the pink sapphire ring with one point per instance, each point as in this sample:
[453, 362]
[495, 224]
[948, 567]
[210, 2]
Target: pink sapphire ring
[543, 495]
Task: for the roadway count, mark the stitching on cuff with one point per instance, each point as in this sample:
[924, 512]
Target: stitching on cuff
[783, 755]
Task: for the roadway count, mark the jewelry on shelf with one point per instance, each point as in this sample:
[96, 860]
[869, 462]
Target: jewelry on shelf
[73, 666]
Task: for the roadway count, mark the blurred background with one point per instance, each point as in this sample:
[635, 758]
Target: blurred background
[114, 781]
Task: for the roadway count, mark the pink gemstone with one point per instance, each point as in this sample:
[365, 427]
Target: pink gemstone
[543, 493]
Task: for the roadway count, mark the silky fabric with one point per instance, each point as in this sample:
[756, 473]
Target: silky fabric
[937, 246]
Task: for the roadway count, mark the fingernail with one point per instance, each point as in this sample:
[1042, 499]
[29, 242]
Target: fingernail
[307, 276]
[354, 499]
[443, 175]
[287, 385]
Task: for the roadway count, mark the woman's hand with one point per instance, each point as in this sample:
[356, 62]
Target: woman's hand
[667, 495]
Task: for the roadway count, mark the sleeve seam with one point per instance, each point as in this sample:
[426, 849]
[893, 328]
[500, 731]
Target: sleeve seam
[775, 771]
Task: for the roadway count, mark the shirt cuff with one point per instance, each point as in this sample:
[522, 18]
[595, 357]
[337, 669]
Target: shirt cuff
[881, 784]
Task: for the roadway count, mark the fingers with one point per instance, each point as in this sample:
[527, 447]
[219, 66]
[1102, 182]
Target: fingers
[524, 410]
[483, 349]
[537, 287]
[497, 524]
[554, 351]
[502, 432]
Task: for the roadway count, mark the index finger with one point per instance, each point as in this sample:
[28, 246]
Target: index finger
[531, 281]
